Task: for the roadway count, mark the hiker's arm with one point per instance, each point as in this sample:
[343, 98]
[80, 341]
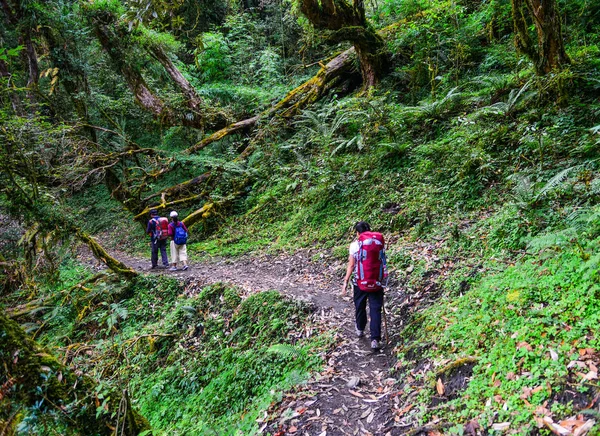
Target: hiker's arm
[149, 229]
[349, 270]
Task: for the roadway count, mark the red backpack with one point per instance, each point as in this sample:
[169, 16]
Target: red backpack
[161, 228]
[371, 266]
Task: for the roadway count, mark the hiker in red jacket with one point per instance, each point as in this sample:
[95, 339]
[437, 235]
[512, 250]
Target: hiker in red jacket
[179, 234]
[367, 260]
[157, 229]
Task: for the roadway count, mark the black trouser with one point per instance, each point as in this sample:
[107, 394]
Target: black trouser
[375, 305]
[160, 244]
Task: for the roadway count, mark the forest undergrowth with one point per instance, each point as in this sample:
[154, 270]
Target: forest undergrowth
[472, 152]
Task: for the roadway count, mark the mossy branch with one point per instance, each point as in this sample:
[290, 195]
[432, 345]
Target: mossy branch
[101, 254]
[29, 367]
[456, 364]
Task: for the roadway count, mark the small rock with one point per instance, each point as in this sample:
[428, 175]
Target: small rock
[410, 269]
[353, 382]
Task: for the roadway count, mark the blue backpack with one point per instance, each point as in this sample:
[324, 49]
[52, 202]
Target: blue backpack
[180, 237]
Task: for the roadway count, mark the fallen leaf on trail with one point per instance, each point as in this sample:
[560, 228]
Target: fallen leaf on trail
[501, 426]
[525, 345]
[370, 418]
[511, 376]
[471, 428]
[405, 410]
[356, 394]
[592, 375]
[584, 428]
[542, 411]
[439, 386]
[526, 393]
[585, 352]
[592, 367]
[577, 363]
[292, 429]
[536, 390]
[434, 433]
[555, 428]
[366, 413]
[570, 423]
[553, 354]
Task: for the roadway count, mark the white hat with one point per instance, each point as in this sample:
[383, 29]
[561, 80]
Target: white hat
[173, 214]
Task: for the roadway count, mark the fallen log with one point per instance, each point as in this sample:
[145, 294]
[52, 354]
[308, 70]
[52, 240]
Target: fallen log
[101, 254]
[309, 92]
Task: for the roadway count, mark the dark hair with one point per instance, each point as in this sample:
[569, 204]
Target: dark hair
[362, 227]
[153, 212]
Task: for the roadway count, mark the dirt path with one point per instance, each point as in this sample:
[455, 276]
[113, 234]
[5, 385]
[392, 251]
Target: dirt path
[354, 392]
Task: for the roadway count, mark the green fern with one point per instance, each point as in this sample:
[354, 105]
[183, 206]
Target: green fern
[286, 350]
[557, 181]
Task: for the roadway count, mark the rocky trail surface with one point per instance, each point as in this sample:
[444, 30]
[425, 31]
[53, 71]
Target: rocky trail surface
[355, 393]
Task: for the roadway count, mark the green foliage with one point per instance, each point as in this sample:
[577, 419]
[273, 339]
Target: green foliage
[194, 364]
[526, 324]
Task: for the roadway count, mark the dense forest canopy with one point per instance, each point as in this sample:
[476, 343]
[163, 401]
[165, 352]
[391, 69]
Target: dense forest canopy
[470, 126]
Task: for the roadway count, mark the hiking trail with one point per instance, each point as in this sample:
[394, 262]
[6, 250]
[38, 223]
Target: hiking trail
[353, 394]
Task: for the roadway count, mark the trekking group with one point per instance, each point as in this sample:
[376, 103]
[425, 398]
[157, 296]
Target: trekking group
[366, 264]
[160, 230]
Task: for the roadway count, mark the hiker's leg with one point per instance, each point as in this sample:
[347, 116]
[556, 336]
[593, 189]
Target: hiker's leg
[174, 254]
[154, 255]
[360, 305]
[375, 305]
[183, 254]
[163, 252]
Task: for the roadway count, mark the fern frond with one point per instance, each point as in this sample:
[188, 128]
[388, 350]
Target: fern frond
[286, 350]
[557, 180]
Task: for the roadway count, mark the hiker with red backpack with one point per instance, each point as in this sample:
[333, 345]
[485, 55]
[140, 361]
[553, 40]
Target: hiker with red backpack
[158, 230]
[179, 234]
[367, 260]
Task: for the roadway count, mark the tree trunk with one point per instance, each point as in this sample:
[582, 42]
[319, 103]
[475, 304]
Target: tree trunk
[14, 98]
[208, 119]
[348, 22]
[30, 376]
[112, 37]
[548, 53]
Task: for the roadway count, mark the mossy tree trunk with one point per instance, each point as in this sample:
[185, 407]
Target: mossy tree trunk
[548, 53]
[113, 37]
[30, 375]
[15, 17]
[347, 22]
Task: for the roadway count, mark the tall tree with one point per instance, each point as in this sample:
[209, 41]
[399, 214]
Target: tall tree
[549, 51]
[348, 23]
